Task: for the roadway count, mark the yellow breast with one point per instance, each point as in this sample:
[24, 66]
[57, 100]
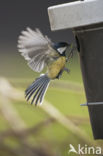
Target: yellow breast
[56, 67]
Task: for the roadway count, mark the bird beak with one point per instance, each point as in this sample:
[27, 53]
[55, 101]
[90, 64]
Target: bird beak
[69, 52]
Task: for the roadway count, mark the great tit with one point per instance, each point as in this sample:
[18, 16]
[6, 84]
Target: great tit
[40, 51]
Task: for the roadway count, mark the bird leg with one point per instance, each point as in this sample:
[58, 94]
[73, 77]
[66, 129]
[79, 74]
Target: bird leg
[61, 72]
[67, 70]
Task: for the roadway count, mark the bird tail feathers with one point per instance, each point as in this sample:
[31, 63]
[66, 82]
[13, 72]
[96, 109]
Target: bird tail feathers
[37, 89]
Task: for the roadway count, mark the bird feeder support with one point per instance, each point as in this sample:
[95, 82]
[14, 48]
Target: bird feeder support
[85, 18]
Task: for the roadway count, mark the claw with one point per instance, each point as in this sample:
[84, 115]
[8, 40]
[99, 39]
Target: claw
[67, 70]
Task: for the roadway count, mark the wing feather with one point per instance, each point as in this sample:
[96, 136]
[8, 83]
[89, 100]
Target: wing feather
[35, 48]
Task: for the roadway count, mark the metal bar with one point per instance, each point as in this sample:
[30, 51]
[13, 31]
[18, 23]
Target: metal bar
[92, 103]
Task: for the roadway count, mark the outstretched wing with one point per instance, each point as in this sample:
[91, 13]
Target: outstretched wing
[36, 49]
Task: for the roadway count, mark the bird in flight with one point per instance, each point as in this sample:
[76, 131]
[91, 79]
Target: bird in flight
[40, 52]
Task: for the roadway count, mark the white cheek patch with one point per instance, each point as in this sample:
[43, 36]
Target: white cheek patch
[61, 50]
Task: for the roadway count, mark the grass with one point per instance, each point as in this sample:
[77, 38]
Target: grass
[68, 102]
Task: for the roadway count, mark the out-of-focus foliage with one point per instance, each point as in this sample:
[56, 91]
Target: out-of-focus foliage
[41, 131]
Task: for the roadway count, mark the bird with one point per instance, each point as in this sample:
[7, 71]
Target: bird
[40, 52]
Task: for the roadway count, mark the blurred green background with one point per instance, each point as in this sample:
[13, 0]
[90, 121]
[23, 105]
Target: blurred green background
[45, 133]
[26, 129]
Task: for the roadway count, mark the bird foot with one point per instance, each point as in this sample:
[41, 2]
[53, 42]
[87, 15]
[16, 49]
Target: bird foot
[67, 70]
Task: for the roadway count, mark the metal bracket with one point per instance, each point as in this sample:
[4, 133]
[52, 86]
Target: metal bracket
[80, 11]
[92, 104]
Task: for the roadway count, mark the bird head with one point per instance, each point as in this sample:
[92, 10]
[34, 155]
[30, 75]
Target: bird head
[61, 47]
[64, 49]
